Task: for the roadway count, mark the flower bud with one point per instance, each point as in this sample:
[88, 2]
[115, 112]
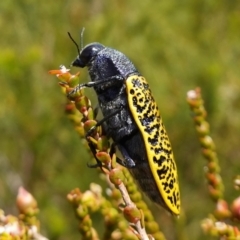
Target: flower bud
[236, 208]
[26, 203]
[222, 211]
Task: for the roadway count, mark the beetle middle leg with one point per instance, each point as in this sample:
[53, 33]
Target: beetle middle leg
[91, 145]
[93, 150]
[128, 162]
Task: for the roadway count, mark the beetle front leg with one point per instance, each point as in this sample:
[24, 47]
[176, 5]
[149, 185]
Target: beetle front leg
[110, 80]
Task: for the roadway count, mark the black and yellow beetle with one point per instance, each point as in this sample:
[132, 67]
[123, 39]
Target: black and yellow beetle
[133, 121]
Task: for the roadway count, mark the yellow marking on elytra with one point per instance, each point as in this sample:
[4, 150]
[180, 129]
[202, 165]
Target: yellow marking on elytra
[158, 148]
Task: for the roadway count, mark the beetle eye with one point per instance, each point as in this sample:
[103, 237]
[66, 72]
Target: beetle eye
[87, 54]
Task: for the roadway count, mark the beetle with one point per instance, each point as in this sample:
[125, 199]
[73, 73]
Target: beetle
[132, 120]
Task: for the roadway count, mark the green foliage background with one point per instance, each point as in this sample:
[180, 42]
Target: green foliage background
[176, 45]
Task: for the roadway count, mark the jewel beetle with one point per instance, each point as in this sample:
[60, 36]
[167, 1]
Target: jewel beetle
[132, 120]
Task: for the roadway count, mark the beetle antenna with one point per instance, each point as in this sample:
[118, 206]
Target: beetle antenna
[81, 37]
[74, 42]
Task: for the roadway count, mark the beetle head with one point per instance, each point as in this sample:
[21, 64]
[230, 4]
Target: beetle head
[87, 54]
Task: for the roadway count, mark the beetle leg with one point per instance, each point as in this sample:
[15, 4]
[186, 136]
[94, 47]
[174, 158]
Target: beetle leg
[91, 146]
[112, 149]
[95, 111]
[93, 84]
[128, 162]
[99, 123]
[93, 150]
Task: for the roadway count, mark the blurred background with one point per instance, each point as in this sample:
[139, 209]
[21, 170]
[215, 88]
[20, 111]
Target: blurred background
[176, 45]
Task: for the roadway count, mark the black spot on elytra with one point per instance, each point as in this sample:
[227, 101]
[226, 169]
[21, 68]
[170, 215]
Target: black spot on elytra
[171, 184]
[171, 199]
[134, 101]
[136, 83]
[148, 129]
[175, 198]
[159, 161]
[165, 184]
[157, 150]
[162, 172]
[146, 86]
[153, 141]
[149, 118]
[132, 91]
[145, 123]
[139, 108]
[168, 176]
